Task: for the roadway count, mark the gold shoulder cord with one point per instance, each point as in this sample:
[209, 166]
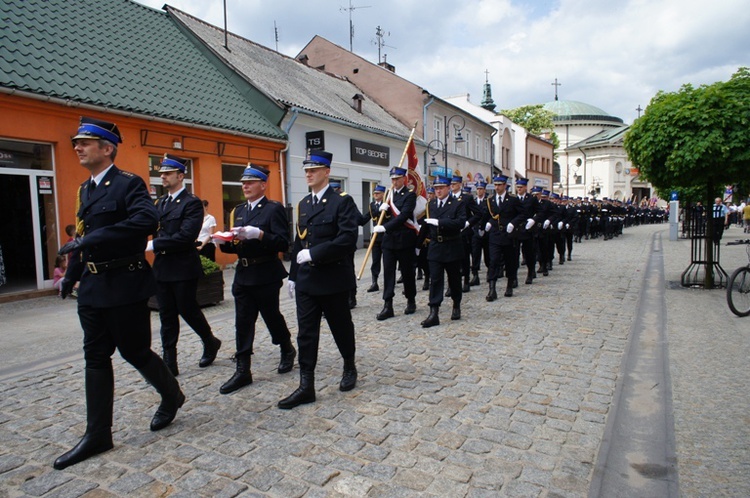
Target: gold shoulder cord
[489, 207]
[231, 217]
[79, 221]
[301, 235]
[427, 210]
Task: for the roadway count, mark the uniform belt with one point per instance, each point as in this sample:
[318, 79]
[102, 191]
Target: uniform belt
[132, 262]
[447, 238]
[256, 261]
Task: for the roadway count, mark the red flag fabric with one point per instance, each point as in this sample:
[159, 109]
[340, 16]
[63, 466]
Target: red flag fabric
[414, 179]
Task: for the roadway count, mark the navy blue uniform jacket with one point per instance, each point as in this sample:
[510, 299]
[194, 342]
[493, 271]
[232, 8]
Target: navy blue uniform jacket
[258, 260]
[445, 239]
[329, 230]
[180, 223]
[115, 222]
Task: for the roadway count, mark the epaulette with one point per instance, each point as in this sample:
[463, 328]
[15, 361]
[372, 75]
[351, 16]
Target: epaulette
[343, 194]
[272, 202]
[511, 194]
[127, 173]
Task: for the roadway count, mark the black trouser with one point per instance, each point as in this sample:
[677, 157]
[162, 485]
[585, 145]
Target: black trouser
[310, 309]
[126, 328]
[466, 236]
[249, 300]
[209, 251]
[569, 241]
[502, 255]
[405, 259]
[480, 247]
[423, 263]
[377, 257]
[546, 249]
[560, 244]
[177, 299]
[437, 281]
[527, 248]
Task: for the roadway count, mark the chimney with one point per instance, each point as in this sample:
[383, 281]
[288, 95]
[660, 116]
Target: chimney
[303, 59]
[357, 102]
[388, 66]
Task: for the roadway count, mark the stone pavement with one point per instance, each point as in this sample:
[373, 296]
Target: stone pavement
[511, 400]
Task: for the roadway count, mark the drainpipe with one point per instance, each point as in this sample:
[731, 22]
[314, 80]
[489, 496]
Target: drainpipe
[285, 156]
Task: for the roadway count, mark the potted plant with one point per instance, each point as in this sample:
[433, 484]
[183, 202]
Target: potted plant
[210, 286]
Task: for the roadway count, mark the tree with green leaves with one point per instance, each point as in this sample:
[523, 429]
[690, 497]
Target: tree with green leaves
[535, 119]
[695, 138]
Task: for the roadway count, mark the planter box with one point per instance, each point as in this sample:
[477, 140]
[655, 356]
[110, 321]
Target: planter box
[210, 291]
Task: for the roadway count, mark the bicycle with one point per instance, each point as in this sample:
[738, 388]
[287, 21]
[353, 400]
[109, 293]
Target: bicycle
[738, 289]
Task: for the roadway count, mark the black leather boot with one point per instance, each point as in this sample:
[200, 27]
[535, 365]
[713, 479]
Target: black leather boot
[98, 437]
[456, 312]
[158, 375]
[515, 283]
[474, 279]
[387, 311]
[433, 318]
[374, 287]
[529, 277]
[509, 289]
[210, 350]
[448, 292]
[492, 294]
[466, 287]
[242, 376]
[426, 285]
[411, 307]
[349, 378]
[305, 393]
[170, 358]
[286, 363]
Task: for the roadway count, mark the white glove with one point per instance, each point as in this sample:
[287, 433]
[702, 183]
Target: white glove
[546, 224]
[466, 225]
[290, 287]
[304, 256]
[378, 229]
[416, 251]
[431, 221]
[559, 225]
[487, 227]
[384, 206]
[150, 246]
[530, 223]
[567, 226]
[509, 228]
[246, 233]
[481, 233]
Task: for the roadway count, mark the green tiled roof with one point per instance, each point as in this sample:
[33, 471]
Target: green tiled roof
[122, 55]
[571, 110]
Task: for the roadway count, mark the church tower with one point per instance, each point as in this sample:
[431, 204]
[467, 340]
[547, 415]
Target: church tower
[487, 102]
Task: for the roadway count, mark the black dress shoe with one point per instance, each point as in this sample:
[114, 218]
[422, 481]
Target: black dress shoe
[474, 280]
[466, 287]
[374, 287]
[529, 280]
[448, 292]
[515, 283]
[165, 414]
[509, 291]
[286, 363]
[210, 351]
[456, 313]
[88, 446]
[569, 258]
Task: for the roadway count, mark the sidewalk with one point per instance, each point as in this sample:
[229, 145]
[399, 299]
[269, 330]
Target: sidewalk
[511, 400]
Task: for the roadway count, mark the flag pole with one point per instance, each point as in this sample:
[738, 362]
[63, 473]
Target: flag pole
[386, 200]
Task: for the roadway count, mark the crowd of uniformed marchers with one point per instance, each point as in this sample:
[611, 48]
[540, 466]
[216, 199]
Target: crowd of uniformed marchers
[456, 232]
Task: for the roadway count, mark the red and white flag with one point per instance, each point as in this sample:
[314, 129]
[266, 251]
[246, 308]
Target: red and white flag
[414, 182]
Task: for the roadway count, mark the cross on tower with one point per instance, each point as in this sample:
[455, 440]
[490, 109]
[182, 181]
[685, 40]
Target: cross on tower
[486, 76]
[556, 84]
[639, 110]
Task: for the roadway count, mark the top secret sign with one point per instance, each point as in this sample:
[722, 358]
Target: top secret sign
[364, 152]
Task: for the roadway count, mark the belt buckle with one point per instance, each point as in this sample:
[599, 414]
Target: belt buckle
[92, 267]
[244, 262]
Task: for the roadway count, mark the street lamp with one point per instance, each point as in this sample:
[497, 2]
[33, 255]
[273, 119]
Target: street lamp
[433, 149]
[458, 139]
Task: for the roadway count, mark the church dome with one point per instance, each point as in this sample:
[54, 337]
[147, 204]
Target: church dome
[571, 110]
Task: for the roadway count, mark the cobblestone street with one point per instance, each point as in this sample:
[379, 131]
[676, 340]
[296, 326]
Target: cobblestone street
[511, 400]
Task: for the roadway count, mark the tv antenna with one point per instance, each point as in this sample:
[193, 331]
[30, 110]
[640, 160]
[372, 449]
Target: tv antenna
[351, 25]
[276, 35]
[380, 42]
